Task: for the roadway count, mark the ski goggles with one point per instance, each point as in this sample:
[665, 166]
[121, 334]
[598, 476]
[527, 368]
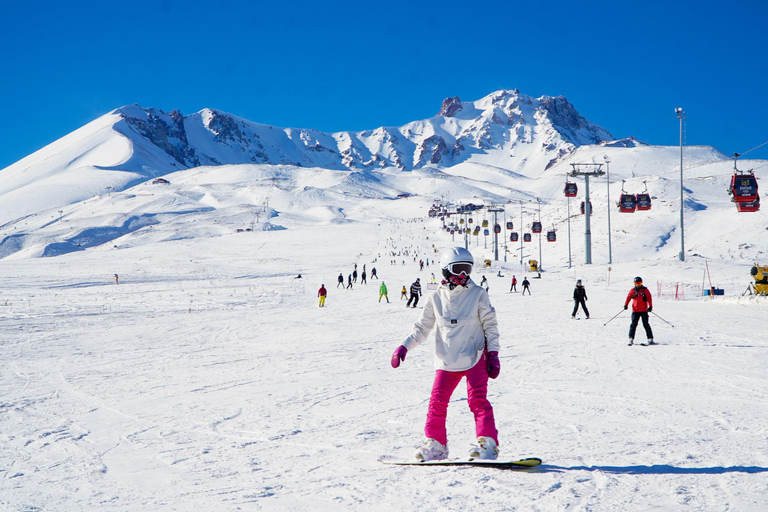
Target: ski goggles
[459, 268]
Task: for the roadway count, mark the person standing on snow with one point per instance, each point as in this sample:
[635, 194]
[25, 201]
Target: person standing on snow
[322, 292]
[349, 282]
[373, 273]
[354, 274]
[514, 285]
[484, 283]
[415, 293]
[526, 285]
[383, 292]
[362, 277]
[341, 280]
[580, 298]
[642, 304]
[466, 345]
[403, 293]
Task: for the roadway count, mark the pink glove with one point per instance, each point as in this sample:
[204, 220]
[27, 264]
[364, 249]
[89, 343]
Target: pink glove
[398, 356]
[493, 365]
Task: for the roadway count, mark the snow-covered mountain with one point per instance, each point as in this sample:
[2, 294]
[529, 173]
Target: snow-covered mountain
[94, 188]
[131, 144]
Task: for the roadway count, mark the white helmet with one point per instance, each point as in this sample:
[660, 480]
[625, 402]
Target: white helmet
[456, 263]
[456, 255]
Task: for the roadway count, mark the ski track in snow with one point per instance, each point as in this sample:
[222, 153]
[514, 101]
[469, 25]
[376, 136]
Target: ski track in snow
[209, 379]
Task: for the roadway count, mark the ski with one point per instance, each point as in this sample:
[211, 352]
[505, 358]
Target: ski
[482, 463]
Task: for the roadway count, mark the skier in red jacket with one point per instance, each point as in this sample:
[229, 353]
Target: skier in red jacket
[642, 304]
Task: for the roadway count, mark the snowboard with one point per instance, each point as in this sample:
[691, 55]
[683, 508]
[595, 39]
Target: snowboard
[482, 463]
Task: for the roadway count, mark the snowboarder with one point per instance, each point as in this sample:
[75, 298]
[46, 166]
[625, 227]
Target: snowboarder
[341, 281]
[466, 345]
[415, 293]
[373, 273]
[349, 282]
[580, 298]
[322, 292]
[526, 285]
[514, 285]
[383, 292]
[403, 293]
[484, 283]
[642, 304]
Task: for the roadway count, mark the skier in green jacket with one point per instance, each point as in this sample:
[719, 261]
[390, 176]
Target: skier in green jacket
[383, 291]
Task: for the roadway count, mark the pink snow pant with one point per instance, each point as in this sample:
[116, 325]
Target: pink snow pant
[477, 390]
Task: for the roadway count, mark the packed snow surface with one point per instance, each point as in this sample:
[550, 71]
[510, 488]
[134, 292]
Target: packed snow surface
[206, 377]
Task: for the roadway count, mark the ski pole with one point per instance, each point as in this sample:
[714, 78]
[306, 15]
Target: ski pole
[661, 318]
[614, 316]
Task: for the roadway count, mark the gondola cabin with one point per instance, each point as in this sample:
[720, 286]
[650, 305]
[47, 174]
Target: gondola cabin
[627, 203]
[643, 202]
[571, 189]
[526, 237]
[743, 188]
[486, 232]
[461, 221]
[510, 226]
[467, 231]
[496, 228]
[583, 207]
[536, 227]
[469, 220]
[752, 206]
[551, 236]
[477, 230]
[452, 232]
[514, 237]
[485, 223]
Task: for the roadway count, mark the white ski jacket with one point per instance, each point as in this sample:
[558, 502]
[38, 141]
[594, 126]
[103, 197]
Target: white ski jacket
[464, 318]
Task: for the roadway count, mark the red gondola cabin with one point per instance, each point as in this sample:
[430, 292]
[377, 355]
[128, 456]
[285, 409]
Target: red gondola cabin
[536, 227]
[514, 237]
[627, 203]
[510, 225]
[571, 190]
[643, 201]
[583, 204]
[743, 188]
[551, 236]
[497, 228]
[526, 237]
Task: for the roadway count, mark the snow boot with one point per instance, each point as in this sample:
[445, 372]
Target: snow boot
[486, 449]
[432, 450]
[631, 341]
[651, 342]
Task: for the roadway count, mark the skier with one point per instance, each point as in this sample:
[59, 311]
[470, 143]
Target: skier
[514, 285]
[642, 304]
[415, 293]
[354, 274]
[349, 282]
[433, 278]
[383, 292]
[373, 273]
[580, 298]
[466, 345]
[322, 292]
[526, 285]
[341, 281]
[116, 279]
[362, 277]
[403, 293]
[484, 283]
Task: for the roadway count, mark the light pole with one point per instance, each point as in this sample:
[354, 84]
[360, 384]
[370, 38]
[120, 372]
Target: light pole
[681, 116]
[608, 195]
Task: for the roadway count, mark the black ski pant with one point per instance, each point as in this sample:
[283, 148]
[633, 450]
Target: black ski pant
[526, 289]
[636, 316]
[583, 306]
[414, 298]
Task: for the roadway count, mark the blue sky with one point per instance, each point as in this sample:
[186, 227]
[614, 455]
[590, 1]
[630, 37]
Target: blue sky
[338, 66]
